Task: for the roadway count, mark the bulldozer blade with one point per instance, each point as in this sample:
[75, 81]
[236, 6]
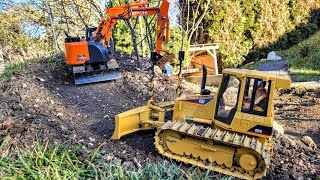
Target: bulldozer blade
[95, 76]
[130, 121]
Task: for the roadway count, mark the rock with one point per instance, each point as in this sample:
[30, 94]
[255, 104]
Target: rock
[7, 124]
[116, 160]
[109, 157]
[40, 79]
[92, 139]
[278, 130]
[59, 115]
[64, 129]
[17, 107]
[90, 145]
[145, 79]
[290, 141]
[309, 142]
[272, 56]
[137, 163]
[103, 151]
[157, 71]
[129, 165]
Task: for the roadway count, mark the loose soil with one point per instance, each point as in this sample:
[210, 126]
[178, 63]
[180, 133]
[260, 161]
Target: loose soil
[41, 104]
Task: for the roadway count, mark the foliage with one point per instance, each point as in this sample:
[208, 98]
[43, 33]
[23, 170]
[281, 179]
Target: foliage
[249, 29]
[304, 59]
[65, 162]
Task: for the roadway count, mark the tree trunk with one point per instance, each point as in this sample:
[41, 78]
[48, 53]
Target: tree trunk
[52, 27]
[143, 47]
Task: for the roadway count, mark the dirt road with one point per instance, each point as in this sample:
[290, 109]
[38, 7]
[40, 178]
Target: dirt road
[42, 104]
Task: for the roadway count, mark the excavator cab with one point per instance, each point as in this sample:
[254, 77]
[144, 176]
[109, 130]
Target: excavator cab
[90, 61]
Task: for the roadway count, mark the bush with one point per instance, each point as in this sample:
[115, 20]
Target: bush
[249, 29]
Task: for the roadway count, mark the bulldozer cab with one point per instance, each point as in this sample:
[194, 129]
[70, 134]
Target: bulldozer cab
[254, 101]
[245, 100]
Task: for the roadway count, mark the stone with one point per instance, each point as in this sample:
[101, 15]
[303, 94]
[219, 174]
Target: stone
[109, 157]
[157, 71]
[129, 165]
[278, 130]
[137, 163]
[145, 79]
[7, 124]
[307, 140]
[17, 107]
[90, 145]
[40, 79]
[103, 151]
[290, 141]
[272, 56]
[59, 114]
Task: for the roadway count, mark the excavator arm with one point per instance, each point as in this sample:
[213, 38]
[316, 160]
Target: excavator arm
[134, 9]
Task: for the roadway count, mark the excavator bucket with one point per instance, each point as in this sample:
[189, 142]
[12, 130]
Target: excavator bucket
[130, 121]
[146, 117]
[95, 74]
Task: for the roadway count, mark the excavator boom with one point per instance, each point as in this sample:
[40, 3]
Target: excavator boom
[104, 31]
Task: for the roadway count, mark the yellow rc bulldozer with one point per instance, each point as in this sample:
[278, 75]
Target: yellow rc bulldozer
[229, 132]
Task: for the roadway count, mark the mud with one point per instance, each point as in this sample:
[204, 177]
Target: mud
[41, 104]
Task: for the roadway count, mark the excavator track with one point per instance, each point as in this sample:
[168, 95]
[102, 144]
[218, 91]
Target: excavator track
[219, 150]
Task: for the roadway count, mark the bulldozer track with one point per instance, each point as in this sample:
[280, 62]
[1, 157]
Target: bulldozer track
[223, 137]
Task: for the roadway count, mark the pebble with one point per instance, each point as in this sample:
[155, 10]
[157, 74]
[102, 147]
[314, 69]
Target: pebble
[40, 79]
[309, 142]
[106, 116]
[59, 115]
[129, 165]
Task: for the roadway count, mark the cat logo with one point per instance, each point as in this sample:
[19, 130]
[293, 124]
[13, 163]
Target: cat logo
[258, 131]
[202, 101]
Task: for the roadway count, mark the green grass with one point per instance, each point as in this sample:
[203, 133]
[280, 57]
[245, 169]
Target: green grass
[10, 69]
[65, 162]
[304, 59]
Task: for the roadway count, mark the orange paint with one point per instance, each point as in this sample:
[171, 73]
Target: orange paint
[77, 53]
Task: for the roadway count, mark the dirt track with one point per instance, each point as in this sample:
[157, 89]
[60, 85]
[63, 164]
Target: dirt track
[42, 103]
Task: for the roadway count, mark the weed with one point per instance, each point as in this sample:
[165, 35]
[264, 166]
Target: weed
[10, 69]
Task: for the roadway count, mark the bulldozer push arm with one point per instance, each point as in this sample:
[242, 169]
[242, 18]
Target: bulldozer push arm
[134, 9]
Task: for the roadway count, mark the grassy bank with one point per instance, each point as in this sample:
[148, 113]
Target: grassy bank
[304, 63]
[64, 162]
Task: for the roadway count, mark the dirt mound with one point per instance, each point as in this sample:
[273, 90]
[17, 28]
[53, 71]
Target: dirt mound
[42, 104]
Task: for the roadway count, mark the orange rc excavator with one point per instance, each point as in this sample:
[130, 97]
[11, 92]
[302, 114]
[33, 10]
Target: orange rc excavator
[92, 59]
